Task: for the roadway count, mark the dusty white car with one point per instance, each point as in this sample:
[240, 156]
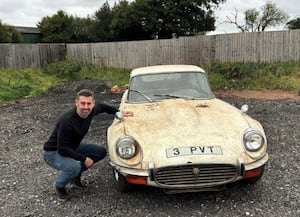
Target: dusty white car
[176, 135]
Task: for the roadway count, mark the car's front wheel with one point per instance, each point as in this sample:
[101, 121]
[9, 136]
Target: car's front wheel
[122, 184]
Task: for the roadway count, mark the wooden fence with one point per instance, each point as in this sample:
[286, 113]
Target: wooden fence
[141, 53]
[254, 47]
[268, 46]
[272, 46]
[30, 55]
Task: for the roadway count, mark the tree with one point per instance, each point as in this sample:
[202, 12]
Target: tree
[251, 17]
[9, 34]
[102, 23]
[81, 30]
[64, 28]
[294, 24]
[256, 21]
[127, 22]
[181, 17]
[139, 19]
[145, 19]
[57, 28]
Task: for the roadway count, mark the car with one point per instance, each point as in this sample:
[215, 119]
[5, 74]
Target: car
[174, 134]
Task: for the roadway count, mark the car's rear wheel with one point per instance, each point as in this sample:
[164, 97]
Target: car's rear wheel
[122, 184]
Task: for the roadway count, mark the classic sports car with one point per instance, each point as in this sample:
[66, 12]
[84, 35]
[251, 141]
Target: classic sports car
[173, 133]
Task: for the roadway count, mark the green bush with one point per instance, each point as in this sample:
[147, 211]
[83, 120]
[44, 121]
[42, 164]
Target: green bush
[71, 70]
[254, 76]
[236, 70]
[8, 92]
[65, 69]
[18, 84]
[217, 81]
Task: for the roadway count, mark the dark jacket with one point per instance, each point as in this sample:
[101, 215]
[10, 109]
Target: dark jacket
[70, 130]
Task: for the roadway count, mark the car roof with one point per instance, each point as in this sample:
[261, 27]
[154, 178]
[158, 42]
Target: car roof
[165, 69]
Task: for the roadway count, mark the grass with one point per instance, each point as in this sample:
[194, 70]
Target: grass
[254, 76]
[73, 71]
[18, 84]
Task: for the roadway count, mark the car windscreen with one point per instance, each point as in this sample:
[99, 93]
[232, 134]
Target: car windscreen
[161, 86]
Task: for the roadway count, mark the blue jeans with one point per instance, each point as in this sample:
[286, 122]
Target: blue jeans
[70, 168]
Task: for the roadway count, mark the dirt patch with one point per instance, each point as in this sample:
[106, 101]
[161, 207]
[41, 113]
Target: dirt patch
[254, 94]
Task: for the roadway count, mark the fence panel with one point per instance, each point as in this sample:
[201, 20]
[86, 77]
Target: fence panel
[243, 47]
[258, 46]
[131, 54]
[30, 55]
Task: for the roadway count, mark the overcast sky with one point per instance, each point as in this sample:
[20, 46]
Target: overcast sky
[30, 12]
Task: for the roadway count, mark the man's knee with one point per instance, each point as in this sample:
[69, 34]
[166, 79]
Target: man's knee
[102, 152]
[73, 169]
[99, 154]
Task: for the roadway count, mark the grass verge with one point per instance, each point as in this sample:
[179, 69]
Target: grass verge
[254, 76]
[18, 84]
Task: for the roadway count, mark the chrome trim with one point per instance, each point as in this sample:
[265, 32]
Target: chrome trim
[250, 131]
[183, 176]
[130, 139]
[257, 163]
[241, 164]
[129, 171]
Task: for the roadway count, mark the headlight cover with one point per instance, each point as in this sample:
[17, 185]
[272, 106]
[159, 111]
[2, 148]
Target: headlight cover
[253, 140]
[126, 147]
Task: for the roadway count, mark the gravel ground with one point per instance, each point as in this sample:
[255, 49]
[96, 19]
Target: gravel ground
[26, 183]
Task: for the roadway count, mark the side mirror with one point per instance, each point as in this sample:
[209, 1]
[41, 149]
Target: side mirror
[119, 115]
[244, 108]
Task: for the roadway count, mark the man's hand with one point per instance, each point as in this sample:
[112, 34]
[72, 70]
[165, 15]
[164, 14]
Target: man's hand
[88, 162]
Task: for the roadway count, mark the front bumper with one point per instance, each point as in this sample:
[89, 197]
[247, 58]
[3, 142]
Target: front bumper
[192, 176]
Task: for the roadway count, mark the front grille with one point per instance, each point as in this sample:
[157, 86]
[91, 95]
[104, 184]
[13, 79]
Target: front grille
[194, 175]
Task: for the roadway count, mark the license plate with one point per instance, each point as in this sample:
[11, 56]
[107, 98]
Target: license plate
[194, 150]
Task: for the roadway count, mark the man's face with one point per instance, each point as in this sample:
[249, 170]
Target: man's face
[84, 105]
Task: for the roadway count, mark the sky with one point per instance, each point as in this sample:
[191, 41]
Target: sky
[30, 12]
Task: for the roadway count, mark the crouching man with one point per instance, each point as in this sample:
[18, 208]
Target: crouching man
[64, 150]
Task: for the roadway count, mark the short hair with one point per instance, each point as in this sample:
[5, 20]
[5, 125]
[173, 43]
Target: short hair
[86, 93]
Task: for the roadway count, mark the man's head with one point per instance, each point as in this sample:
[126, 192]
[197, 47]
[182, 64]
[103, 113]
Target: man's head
[84, 102]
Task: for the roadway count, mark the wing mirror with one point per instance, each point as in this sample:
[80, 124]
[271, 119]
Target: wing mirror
[244, 108]
[119, 115]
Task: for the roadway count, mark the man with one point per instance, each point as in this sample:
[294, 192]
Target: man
[64, 150]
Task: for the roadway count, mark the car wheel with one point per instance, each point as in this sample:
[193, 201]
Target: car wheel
[122, 184]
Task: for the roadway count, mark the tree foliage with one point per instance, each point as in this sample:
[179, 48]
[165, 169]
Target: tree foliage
[102, 24]
[294, 24]
[64, 28]
[81, 30]
[127, 23]
[9, 34]
[57, 28]
[163, 18]
[256, 21]
[139, 19]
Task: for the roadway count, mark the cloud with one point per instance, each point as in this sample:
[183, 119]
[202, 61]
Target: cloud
[30, 12]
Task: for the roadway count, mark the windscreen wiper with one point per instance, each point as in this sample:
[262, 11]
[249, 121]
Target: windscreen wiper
[144, 95]
[174, 96]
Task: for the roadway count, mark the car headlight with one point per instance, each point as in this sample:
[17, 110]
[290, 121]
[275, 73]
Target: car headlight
[126, 147]
[253, 140]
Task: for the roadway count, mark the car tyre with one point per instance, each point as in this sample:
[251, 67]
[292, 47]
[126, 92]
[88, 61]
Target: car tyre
[122, 185]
